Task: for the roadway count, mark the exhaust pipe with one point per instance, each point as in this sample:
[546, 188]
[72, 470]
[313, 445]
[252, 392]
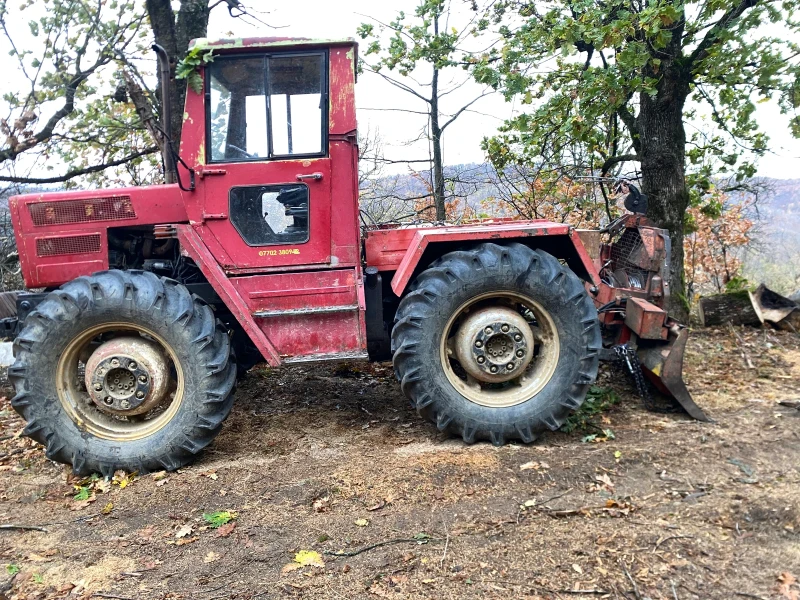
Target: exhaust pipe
[170, 175]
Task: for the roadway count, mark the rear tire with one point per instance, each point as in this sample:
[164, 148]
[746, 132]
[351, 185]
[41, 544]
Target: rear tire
[157, 311]
[474, 281]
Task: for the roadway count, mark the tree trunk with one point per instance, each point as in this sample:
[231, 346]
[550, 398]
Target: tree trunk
[174, 34]
[436, 141]
[662, 151]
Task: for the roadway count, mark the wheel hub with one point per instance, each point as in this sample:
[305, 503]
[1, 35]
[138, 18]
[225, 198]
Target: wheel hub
[127, 376]
[494, 344]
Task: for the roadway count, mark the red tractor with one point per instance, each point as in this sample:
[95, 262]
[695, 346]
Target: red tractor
[154, 295]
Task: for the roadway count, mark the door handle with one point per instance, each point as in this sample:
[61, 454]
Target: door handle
[209, 172]
[314, 176]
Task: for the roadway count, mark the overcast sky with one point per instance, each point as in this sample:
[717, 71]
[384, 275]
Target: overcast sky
[324, 18]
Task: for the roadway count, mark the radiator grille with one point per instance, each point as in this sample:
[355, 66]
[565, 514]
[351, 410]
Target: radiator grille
[112, 208]
[76, 244]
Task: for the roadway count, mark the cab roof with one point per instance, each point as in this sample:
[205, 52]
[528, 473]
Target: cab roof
[268, 43]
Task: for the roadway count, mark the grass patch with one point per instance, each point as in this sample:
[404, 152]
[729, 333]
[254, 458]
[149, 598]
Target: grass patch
[598, 400]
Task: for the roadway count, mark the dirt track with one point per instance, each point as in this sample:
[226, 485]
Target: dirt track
[331, 459]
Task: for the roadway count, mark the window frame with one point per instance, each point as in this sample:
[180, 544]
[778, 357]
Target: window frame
[270, 185]
[265, 57]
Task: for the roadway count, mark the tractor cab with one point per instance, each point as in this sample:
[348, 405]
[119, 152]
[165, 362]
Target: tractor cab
[271, 136]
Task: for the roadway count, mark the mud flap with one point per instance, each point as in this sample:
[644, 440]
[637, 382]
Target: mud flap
[662, 363]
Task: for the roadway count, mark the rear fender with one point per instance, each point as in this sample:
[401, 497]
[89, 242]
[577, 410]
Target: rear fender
[560, 240]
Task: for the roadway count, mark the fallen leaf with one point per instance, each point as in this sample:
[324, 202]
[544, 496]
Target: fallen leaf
[787, 580]
[226, 530]
[377, 506]
[291, 567]
[158, 476]
[184, 531]
[211, 557]
[184, 541]
[308, 558]
[220, 517]
[321, 504]
[361, 522]
[212, 475]
[161, 482]
[533, 465]
[107, 508]
[577, 568]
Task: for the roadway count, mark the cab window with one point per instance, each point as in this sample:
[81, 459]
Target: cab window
[266, 107]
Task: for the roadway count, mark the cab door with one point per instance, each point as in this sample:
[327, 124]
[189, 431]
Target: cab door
[266, 182]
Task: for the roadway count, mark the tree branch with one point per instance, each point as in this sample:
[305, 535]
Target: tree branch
[78, 172]
[713, 35]
[614, 160]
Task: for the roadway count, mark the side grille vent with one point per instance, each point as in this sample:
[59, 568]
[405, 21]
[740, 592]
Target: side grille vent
[113, 208]
[76, 244]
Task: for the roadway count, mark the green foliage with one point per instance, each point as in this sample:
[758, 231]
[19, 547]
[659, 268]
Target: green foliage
[738, 284]
[219, 518]
[58, 105]
[84, 493]
[12, 569]
[414, 39]
[598, 401]
[188, 68]
[586, 68]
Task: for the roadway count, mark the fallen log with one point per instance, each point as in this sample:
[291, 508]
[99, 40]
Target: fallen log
[735, 308]
[750, 308]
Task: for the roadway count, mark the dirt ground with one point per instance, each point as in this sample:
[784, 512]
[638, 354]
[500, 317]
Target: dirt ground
[316, 461]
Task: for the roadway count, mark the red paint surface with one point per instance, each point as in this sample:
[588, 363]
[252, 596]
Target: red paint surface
[151, 205]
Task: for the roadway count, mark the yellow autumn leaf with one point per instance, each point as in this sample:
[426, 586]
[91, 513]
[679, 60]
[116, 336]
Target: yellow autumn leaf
[309, 558]
[361, 522]
[107, 508]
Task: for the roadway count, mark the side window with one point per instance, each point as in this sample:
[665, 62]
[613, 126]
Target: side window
[296, 104]
[266, 107]
[238, 109]
[270, 214]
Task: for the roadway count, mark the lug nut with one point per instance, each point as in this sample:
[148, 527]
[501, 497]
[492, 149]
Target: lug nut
[98, 387]
[114, 362]
[518, 338]
[132, 365]
[488, 330]
[140, 394]
[493, 369]
[504, 328]
[143, 378]
[510, 366]
[125, 404]
[108, 401]
[520, 354]
[479, 344]
[481, 359]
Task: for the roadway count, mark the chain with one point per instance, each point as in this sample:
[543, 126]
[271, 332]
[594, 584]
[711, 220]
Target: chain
[629, 360]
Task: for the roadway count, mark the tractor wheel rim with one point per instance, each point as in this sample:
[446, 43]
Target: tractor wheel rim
[126, 391]
[500, 349]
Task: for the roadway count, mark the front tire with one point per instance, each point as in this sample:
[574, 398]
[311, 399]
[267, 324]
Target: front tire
[160, 374]
[496, 342]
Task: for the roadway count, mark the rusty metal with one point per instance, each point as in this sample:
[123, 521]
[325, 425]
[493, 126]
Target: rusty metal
[483, 387]
[645, 319]
[128, 375]
[78, 404]
[663, 364]
[494, 344]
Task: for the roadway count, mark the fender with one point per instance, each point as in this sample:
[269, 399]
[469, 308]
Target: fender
[419, 247]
